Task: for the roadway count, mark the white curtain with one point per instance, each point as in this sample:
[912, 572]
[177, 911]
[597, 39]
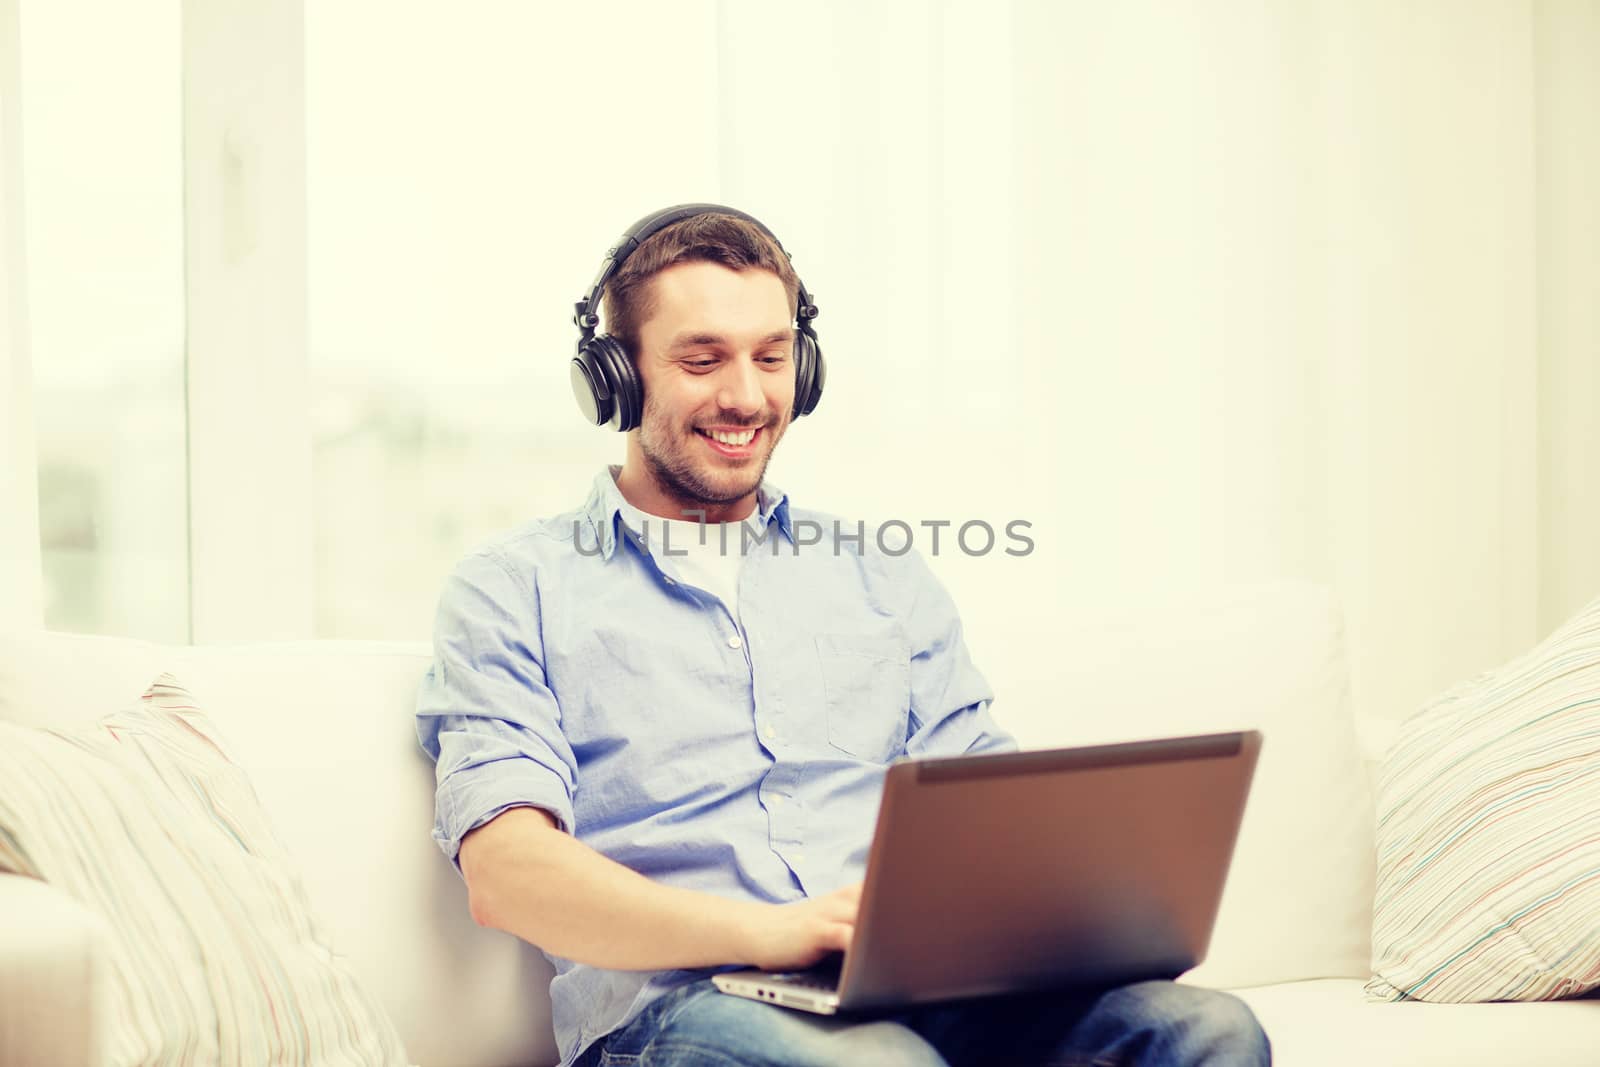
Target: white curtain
[1225, 292]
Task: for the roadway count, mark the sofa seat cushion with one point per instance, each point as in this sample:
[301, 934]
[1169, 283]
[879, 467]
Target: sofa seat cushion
[1332, 1023]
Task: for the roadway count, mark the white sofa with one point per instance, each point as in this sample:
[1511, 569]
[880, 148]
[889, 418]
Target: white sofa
[325, 731]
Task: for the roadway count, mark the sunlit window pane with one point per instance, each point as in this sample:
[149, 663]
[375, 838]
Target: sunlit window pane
[103, 191]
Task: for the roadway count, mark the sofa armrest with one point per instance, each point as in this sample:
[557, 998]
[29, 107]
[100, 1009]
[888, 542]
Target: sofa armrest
[54, 976]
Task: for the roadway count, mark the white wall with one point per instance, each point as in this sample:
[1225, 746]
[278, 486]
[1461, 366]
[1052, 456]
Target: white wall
[1297, 296]
[1567, 64]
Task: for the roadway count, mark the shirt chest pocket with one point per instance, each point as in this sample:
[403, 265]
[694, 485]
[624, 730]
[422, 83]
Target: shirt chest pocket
[867, 689]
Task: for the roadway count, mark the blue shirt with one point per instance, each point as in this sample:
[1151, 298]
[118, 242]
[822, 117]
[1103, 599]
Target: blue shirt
[741, 754]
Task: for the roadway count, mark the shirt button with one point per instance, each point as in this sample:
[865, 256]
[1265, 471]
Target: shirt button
[799, 857]
[771, 732]
[777, 801]
[735, 641]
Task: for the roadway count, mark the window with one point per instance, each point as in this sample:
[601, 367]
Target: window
[102, 172]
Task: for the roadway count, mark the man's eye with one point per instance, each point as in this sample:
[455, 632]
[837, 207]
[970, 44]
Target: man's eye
[701, 363]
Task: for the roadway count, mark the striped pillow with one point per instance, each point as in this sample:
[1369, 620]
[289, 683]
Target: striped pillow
[1489, 834]
[214, 954]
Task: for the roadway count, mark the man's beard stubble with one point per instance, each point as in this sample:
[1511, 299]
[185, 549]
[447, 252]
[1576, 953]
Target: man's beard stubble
[675, 471]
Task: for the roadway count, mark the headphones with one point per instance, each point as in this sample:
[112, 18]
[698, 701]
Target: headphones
[605, 382]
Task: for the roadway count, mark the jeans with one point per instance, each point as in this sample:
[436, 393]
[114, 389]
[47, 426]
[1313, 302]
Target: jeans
[1149, 1023]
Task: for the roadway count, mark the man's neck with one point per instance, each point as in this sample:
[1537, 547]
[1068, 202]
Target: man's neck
[642, 491]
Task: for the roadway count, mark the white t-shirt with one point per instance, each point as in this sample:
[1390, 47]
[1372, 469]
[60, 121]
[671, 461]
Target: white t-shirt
[712, 565]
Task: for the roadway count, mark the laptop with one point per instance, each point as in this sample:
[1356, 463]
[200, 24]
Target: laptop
[1020, 871]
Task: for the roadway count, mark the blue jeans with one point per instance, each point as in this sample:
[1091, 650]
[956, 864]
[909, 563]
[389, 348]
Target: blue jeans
[1148, 1023]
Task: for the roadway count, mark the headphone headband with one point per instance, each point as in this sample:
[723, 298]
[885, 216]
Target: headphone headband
[586, 316]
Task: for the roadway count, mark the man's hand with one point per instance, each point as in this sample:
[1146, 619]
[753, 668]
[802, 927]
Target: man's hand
[792, 937]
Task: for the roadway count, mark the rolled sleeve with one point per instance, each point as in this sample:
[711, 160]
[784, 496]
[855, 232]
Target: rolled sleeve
[950, 699]
[485, 713]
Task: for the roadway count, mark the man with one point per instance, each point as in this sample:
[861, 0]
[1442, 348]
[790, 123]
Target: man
[661, 722]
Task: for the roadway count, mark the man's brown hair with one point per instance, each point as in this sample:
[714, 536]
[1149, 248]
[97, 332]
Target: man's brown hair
[717, 238]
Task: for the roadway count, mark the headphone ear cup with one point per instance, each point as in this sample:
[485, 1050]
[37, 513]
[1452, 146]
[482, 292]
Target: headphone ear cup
[626, 391]
[594, 394]
[809, 373]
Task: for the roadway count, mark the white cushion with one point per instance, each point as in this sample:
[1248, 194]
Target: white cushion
[1299, 895]
[1488, 858]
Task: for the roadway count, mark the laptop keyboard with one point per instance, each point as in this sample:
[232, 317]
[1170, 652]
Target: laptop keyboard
[825, 981]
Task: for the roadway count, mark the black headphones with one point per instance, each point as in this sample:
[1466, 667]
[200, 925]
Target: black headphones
[605, 382]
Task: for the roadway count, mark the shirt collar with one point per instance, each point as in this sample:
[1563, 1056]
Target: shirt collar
[608, 512]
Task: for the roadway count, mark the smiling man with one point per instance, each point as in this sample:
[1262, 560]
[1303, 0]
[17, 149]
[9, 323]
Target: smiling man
[715, 359]
[660, 749]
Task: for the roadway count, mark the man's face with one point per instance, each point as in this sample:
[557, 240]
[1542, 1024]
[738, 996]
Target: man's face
[716, 361]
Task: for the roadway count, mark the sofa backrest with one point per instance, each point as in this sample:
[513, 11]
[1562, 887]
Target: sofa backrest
[325, 730]
[1271, 657]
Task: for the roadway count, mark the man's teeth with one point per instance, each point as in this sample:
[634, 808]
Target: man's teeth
[734, 439]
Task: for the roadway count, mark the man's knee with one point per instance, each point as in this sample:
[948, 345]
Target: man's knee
[1206, 1025]
[890, 1043]
[717, 1028]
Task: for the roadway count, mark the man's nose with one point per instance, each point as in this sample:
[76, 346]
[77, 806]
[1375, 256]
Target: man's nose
[741, 388]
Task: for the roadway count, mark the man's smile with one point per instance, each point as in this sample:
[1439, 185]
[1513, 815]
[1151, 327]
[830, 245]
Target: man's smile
[733, 442]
